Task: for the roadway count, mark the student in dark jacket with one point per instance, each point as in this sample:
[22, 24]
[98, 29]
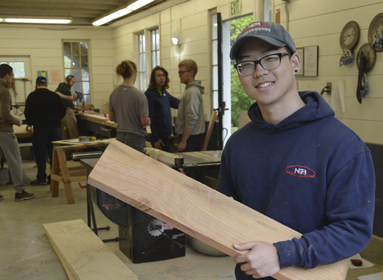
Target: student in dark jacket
[294, 162]
[160, 102]
[44, 111]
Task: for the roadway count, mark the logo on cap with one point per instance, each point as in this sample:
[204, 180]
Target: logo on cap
[257, 26]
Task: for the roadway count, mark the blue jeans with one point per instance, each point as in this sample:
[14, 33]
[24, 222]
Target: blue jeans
[43, 148]
[135, 141]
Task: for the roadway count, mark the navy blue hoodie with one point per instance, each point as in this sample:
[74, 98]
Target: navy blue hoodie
[159, 113]
[311, 173]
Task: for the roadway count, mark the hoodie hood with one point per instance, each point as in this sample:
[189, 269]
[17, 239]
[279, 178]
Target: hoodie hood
[196, 83]
[316, 108]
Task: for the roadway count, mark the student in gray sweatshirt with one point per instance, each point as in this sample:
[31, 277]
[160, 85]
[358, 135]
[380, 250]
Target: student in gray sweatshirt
[190, 123]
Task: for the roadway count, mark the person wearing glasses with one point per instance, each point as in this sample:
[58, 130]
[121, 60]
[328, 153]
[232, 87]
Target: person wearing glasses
[160, 102]
[69, 122]
[8, 140]
[190, 122]
[294, 162]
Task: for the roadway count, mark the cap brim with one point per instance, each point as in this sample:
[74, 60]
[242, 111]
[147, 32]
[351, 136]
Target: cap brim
[238, 44]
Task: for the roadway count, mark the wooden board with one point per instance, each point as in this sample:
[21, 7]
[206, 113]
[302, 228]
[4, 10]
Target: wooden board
[194, 208]
[83, 255]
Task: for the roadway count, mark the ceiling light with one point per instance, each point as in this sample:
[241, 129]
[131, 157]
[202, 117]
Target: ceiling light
[111, 17]
[63, 20]
[122, 12]
[138, 4]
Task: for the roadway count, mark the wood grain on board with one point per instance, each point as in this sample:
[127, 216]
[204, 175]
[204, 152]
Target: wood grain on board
[82, 253]
[194, 208]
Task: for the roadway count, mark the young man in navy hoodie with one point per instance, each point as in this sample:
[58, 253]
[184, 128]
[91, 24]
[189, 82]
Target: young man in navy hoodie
[294, 162]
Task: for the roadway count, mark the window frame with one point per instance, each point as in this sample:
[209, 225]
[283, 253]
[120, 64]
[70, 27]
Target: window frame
[147, 51]
[78, 71]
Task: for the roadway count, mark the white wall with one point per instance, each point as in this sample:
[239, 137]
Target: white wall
[320, 23]
[310, 23]
[44, 47]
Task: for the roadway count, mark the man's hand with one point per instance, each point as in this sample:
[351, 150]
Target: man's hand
[63, 96]
[20, 123]
[29, 128]
[261, 261]
[159, 144]
[181, 146]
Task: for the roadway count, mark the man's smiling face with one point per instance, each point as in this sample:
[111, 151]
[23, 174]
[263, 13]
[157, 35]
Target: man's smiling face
[267, 87]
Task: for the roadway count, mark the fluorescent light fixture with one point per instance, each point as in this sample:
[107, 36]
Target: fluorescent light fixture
[1, 19]
[122, 12]
[138, 4]
[45, 20]
[111, 17]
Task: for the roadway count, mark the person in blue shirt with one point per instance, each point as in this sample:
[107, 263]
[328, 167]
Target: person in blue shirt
[294, 162]
[160, 102]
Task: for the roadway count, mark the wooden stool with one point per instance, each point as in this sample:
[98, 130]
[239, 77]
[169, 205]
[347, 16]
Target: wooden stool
[62, 173]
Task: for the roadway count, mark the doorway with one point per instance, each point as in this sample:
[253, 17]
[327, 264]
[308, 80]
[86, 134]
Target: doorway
[235, 97]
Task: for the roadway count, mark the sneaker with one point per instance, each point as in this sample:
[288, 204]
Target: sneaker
[23, 196]
[1, 197]
[38, 182]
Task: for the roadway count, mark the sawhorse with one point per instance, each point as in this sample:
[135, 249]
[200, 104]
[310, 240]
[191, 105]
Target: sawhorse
[62, 173]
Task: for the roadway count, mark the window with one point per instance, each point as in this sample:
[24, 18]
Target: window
[76, 63]
[155, 47]
[18, 68]
[148, 55]
[214, 60]
[142, 61]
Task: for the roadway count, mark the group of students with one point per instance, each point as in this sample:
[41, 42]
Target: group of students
[47, 114]
[294, 161]
[133, 109]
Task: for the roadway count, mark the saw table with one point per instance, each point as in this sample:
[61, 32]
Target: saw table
[188, 160]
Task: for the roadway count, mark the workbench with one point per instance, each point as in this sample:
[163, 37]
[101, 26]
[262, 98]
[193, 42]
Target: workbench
[97, 118]
[187, 160]
[61, 172]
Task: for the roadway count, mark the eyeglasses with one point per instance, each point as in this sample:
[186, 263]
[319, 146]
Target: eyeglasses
[268, 62]
[182, 72]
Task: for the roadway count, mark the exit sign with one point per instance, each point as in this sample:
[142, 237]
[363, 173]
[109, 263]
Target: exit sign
[235, 8]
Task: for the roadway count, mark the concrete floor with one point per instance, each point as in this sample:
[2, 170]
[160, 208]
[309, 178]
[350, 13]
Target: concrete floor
[26, 252]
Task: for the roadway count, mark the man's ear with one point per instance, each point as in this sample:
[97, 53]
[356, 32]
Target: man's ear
[296, 62]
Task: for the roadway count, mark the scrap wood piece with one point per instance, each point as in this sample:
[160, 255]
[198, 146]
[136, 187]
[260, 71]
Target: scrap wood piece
[82, 253]
[194, 208]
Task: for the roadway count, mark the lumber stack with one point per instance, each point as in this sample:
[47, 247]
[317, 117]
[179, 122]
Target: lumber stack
[194, 208]
[83, 255]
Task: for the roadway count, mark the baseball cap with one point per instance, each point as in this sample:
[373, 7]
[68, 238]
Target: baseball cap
[41, 80]
[270, 32]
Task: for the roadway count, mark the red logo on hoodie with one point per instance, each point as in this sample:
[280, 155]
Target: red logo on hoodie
[300, 171]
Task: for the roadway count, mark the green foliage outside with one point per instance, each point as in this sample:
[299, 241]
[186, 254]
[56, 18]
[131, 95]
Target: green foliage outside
[239, 99]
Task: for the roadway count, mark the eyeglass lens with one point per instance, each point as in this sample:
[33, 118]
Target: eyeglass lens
[269, 62]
